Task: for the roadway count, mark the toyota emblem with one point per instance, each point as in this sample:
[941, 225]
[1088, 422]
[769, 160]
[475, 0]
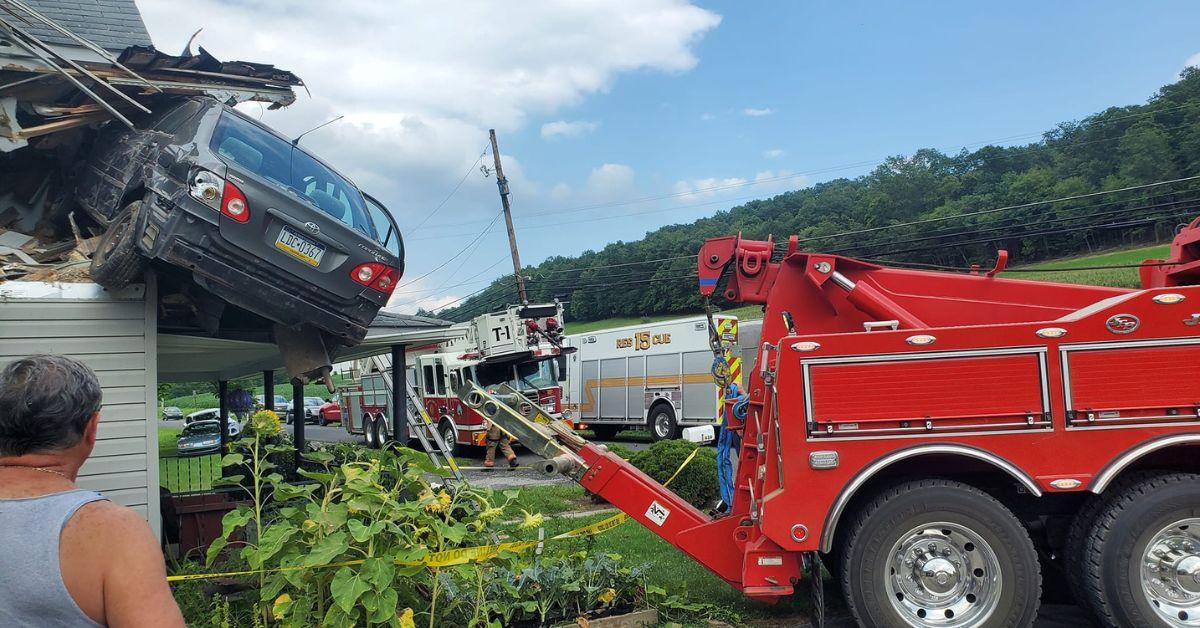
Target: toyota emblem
[312, 227]
[1122, 323]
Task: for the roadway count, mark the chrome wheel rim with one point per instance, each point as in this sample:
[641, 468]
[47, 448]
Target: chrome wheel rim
[449, 438]
[662, 424]
[943, 574]
[1170, 572]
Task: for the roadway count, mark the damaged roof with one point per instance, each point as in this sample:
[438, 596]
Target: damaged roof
[110, 24]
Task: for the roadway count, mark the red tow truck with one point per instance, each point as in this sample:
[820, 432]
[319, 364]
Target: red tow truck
[947, 442]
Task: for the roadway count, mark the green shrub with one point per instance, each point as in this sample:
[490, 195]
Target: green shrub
[697, 483]
[621, 450]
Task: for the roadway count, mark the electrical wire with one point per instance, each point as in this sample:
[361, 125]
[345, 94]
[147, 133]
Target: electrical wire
[455, 256]
[452, 192]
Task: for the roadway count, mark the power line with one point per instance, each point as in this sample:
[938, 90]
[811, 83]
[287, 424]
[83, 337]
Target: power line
[452, 192]
[455, 256]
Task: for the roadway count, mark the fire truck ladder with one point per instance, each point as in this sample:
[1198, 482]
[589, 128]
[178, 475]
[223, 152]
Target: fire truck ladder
[420, 424]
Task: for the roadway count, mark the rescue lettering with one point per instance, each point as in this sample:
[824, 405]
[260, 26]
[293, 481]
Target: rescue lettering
[643, 340]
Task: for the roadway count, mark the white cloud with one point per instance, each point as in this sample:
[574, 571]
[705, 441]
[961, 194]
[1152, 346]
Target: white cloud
[421, 83]
[560, 192]
[763, 183]
[562, 128]
[1193, 61]
[773, 153]
[706, 116]
[610, 181]
[757, 113]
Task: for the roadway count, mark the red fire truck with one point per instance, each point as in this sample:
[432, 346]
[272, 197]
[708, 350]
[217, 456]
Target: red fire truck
[520, 346]
[947, 442]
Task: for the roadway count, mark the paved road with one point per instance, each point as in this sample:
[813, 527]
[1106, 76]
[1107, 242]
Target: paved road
[473, 457]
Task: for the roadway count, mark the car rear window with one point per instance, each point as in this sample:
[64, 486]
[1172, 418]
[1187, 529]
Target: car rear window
[202, 428]
[290, 168]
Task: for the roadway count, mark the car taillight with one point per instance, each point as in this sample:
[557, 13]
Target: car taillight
[233, 203]
[206, 187]
[376, 276]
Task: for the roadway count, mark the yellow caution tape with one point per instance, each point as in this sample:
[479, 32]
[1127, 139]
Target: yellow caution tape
[452, 557]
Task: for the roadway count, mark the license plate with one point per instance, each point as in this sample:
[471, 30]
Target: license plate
[300, 247]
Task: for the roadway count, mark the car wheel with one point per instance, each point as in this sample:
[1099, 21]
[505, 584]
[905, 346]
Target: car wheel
[939, 553]
[382, 437]
[321, 419]
[449, 437]
[662, 423]
[117, 261]
[605, 432]
[1142, 556]
[369, 432]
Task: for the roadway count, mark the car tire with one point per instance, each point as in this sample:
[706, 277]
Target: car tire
[449, 436]
[662, 423]
[382, 438]
[321, 419]
[1142, 555]
[931, 552]
[369, 432]
[117, 261]
[605, 432]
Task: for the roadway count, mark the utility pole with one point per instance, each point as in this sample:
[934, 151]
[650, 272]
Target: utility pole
[502, 183]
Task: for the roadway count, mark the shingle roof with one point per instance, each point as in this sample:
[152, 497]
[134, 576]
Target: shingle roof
[111, 24]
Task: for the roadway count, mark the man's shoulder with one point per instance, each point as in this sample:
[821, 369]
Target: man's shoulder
[106, 520]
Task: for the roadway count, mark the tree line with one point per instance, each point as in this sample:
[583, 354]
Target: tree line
[951, 198]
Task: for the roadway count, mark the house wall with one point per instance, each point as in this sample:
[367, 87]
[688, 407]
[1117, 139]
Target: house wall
[116, 336]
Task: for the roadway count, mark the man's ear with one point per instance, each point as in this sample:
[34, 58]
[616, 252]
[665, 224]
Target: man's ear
[89, 430]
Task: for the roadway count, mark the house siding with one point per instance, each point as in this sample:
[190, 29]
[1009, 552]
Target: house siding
[116, 336]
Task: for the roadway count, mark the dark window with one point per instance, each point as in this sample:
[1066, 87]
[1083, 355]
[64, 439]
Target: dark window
[389, 234]
[290, 168]
[440, 377]
[427, 378]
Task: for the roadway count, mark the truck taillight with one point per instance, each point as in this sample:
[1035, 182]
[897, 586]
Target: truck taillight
[233, 203]
[376, 276]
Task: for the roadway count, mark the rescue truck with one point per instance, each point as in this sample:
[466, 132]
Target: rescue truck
[945, 441]
[521, 346]
[654, 376]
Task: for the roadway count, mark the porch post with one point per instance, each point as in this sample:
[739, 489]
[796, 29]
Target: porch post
[223, 411]
[269, 391]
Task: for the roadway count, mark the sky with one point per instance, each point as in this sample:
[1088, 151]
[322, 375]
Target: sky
[615, 118]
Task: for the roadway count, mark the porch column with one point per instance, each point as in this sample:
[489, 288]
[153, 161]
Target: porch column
[223, 412]
[298, 419]
[269, 391]
[399, 397]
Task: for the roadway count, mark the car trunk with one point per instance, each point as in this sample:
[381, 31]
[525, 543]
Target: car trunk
[288, 232]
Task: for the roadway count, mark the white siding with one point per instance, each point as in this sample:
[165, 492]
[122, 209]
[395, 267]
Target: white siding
[115, 335]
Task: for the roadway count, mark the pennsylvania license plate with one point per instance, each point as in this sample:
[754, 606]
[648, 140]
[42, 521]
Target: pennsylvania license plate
[300, 247]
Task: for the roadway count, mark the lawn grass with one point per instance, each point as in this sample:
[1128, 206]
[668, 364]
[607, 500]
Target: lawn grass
[552, 499]
[1112, 277]
[167, 439]
[671, 569]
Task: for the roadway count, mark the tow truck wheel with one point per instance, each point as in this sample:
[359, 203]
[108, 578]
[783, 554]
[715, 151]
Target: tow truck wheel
[939, 553]
[369, 432]
[117, 261]
[662, 423]
[1142, 557]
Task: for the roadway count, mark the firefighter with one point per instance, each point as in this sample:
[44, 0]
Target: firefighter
[497, 438]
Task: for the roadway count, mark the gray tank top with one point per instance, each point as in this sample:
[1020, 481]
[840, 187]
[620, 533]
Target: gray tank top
[32, 592]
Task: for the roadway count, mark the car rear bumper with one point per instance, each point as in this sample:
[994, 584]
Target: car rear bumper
[181, 239]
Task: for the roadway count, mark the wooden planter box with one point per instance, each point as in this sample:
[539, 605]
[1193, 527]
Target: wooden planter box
[199, 517]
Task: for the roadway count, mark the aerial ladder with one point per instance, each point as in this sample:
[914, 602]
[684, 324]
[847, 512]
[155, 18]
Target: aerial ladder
[940, 439]
[419, 423]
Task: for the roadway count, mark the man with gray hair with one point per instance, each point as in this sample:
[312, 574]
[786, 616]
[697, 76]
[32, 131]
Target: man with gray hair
[68, 557]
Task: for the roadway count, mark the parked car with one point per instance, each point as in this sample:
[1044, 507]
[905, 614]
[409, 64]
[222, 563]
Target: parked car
[254, 218]
[208, 414]
[199, 438]
[311, 406]
[214, 415]
[281, 404]
[172, 413]
[329, 412]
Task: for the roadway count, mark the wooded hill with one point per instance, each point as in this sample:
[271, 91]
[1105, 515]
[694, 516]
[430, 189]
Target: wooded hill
[1111, 167]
